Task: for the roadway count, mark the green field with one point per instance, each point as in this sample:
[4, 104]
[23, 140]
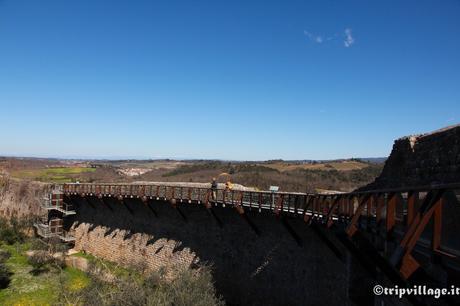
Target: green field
[55, 175]
[43, 289]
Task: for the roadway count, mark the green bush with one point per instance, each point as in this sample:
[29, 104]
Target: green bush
[12, 231]
[38, 245]
[187, 287]
[190, 287]
[39, 260]
[5, 276]
[4, 255]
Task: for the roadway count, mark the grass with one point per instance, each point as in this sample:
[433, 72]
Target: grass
[70, 286]
[129, 287]
[76, 279]
[55, 175]
[43, 289]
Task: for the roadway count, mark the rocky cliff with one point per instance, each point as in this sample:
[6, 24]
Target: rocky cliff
[21, 198]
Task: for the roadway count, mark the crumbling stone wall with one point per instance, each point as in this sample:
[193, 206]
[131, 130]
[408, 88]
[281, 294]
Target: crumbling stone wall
[425, 159]
[130, 249]
[270, 269]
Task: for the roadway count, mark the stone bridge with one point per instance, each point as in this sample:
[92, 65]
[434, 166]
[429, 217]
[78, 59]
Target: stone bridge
[278, 248]
[270, 247]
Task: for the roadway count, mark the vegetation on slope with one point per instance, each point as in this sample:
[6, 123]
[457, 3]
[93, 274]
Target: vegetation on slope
[301, 176]
[28, 287]
[131, 287]
[54, 175]
[30, 275]
[339, 175]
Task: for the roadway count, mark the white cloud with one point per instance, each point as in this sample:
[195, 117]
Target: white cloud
[315, 38]
[308, 34]
[349, 40]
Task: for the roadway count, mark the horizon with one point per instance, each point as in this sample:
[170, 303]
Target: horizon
[83, 159]
[224, 81]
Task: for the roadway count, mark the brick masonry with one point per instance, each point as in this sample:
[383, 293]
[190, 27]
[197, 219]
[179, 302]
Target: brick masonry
[270, 269]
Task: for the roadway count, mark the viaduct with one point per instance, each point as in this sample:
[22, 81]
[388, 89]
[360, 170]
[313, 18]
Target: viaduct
[278, 248]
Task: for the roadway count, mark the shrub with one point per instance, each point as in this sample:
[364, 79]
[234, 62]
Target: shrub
[12, 231]
[129, 293]
[5, 276]
[187, 287]
[55, 245]
[91, 295]
[4, 184]
[38, 260]
[38, 245]
[4, 255]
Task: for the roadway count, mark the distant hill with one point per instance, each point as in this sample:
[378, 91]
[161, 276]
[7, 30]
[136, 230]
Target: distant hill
[294, 175]
[374, 160]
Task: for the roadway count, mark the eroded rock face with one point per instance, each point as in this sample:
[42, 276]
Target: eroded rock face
[20, 198]
[432, 158]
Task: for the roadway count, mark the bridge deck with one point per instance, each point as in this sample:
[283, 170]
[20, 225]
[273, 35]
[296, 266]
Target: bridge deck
[411, 223]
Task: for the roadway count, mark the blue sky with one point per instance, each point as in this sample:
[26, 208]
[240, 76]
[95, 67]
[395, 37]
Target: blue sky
[225, 79]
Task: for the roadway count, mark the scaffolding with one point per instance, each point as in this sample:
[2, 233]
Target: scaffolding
[52, 224]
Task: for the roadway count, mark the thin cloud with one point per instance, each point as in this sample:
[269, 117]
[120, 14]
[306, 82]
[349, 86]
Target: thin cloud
[314, 38]
[347, 35]
[308, 34]
[331, 37]
[349, 40]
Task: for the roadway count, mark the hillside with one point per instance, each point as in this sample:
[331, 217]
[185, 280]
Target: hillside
[341, 175]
